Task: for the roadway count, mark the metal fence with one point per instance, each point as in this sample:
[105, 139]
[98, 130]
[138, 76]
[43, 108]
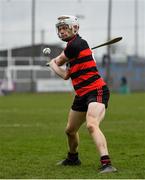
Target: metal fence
[20, 73]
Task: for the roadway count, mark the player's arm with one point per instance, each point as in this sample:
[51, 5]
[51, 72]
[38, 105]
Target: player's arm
[61, 59]
[63, 73]
[56, 63]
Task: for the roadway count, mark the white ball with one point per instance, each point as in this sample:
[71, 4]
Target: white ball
[46, 51]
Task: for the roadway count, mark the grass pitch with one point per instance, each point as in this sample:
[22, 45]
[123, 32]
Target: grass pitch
[32, 138]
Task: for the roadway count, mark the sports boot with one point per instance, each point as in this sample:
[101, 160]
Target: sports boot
[71, 160]
[107, 169]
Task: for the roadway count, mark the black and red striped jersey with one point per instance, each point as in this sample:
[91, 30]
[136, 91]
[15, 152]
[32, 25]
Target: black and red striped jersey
[82, 66]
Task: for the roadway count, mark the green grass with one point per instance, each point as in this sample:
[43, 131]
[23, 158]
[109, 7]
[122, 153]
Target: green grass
[32, 138]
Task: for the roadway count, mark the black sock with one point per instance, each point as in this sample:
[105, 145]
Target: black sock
[73, 156]
[105, 160]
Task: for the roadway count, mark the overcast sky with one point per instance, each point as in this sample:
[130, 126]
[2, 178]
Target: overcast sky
[15, 21]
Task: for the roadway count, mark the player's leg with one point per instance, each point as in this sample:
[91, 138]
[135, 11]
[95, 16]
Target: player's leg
[95, 114]
[75, 120]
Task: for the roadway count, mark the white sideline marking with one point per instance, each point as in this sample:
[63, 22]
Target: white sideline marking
[17, 125]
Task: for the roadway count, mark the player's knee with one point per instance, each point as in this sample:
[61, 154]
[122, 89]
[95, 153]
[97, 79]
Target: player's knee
[91, 127]
[69, 132]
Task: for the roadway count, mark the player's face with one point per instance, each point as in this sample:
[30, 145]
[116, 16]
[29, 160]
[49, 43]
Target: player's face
[65, 33]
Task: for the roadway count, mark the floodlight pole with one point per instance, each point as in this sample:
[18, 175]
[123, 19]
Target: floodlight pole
[108, 72]
[33, 22]
[136, 27]
[33, 43]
